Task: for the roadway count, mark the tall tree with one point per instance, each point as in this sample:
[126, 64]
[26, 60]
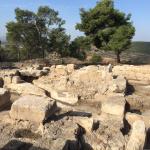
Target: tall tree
[47, 20]
[108, 28]
[30, 31]
[79, 46]
[59, 41]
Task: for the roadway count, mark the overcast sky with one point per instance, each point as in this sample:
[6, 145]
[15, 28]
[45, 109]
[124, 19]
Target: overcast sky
[69, 11]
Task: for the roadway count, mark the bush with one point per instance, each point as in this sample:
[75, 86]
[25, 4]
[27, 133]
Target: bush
[96, 58]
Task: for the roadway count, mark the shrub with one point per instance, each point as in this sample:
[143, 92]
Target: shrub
[96, 58]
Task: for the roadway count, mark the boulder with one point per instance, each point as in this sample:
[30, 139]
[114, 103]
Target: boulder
[25, 89]
[114, 105]
[137, 138]
[33, 108]
[4, 98]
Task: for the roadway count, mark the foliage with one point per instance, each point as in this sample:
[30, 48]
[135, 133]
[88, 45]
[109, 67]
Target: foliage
[108, 28]
[79, 46]
[96, 58]
[59, 41]
[31, 33]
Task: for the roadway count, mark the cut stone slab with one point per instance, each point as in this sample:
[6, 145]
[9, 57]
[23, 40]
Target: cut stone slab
[137, 138]
[25, 89]
[64, 96]
[4, 98]
[33, 108]
[114, 105]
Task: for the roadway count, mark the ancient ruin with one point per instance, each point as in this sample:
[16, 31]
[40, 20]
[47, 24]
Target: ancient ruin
[69, 107]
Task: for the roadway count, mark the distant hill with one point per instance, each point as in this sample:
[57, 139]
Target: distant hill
[140, 47]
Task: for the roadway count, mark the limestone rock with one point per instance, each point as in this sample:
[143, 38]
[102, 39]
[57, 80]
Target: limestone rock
[4, 98]
[7, 80]
[25, 88]
[109, 68]
[61, 70]
[16, 80]
[118, 85]
[137, 138]
[46, 68]
[145, 116]
[64, 96]
[33, 108]
[70, 68]
[38, 67]
[114, 105]
[33, 73]
[85, 122]
[132, 117]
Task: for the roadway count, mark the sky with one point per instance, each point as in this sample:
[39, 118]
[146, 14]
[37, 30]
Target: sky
[69, 11]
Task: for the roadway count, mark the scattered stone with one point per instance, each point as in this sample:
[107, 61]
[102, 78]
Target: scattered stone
[33, 108]
[137, 138]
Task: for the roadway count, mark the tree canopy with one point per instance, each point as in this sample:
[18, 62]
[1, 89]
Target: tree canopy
[108, 28]
[33, 33]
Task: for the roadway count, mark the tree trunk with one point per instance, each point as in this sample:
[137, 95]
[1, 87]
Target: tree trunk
[118, 57]
[18, 55]
[43, 51]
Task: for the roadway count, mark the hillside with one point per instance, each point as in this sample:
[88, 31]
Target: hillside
[141, 47]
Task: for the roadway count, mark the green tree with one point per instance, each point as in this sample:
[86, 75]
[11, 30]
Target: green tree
[108, 28]
[2, 52]
[59, 41]
[30, 32]
[47, 20]
[79, 46]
